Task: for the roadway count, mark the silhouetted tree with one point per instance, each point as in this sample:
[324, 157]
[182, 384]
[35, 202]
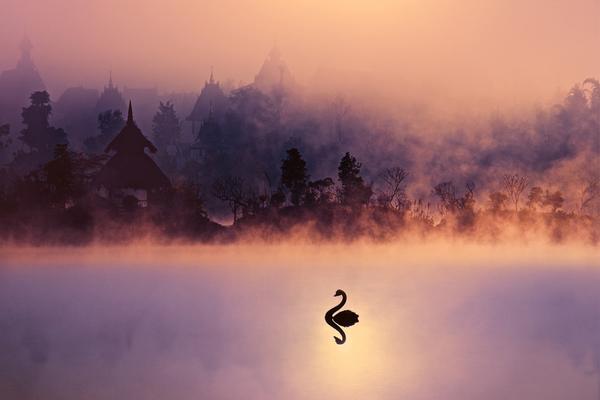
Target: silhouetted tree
[320, 191]
[513, 186]
[497, 201]
[393, 194]
[60, 175]
[354, 191]
[554, 200]
[39, 135]
[4, 136]
[165, 126]
[110, 122]
[294, 175]
[450, 202]
[277, 198]
[68, 174]
[589, 193]
[230, 189]
[535, 198]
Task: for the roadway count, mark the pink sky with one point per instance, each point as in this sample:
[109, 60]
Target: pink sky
[502, 49]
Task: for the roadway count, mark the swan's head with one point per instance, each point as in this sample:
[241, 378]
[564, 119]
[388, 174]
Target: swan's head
[339, 292]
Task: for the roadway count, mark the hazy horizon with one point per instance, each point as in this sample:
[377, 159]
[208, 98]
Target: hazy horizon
[496, 52]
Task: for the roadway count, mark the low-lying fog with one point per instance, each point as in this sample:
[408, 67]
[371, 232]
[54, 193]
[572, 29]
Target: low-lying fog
[447, 321]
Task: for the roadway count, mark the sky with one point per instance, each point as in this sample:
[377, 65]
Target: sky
[497, 50]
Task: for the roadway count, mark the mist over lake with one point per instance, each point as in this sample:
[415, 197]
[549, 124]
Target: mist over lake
[442, 321]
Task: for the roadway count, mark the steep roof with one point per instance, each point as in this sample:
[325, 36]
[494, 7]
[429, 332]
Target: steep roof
[131, 167]
[274, 72]
[211, 99]
[130, 139]
[137, 171]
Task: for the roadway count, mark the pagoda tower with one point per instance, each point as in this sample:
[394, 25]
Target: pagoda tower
[211, 102]
[17, 85]
[111, 98]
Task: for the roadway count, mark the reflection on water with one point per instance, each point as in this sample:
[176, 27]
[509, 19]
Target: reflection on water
[230, 323]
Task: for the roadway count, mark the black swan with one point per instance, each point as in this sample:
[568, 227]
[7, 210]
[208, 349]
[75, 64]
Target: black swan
[344, 318]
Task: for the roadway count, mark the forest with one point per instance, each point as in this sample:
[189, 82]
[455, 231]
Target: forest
[271, 164]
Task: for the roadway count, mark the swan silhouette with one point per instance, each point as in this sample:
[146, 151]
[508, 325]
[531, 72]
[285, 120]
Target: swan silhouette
[344, 318]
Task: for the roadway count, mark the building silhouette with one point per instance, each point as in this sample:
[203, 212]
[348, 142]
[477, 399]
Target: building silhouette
[111, 98]
[211, 102]
[274, 74]
[74, 111]
[17, 85]
[130, 177]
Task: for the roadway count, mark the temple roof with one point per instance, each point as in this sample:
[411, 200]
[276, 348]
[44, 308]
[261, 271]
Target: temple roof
[212, 99]
[130, 139]
[274, 72]
[136, 171]
[131, 167]
[110, 98]
[17, 84]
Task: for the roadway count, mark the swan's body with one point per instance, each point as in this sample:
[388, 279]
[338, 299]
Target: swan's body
[344, 318]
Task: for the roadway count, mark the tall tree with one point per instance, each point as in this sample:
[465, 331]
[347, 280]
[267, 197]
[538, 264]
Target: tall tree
[535, 198]
[354, 191]
[39, 135]
[4, 136]
[60, 175]
[165, 126]
[392, 194]
[294, 176]
[513, 186]
[110, 122]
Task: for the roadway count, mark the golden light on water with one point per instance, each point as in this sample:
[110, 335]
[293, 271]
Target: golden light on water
[435, 321]
[380, 353]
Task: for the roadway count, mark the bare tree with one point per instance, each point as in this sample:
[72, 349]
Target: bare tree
[513, 186]
[446, 191]
[231, 190]
[393, 192]
[497, 201]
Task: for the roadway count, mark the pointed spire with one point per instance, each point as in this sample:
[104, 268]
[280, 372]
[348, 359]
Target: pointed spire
[130, 115]
[211, 80]
[110, 82]
[25, 45]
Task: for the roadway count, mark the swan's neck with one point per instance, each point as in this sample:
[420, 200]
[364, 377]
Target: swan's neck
[339, 306]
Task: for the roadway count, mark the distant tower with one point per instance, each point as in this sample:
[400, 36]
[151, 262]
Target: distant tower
[274, 73]
[26, 61]
[211, 102]
[17, 85]
[111, 98]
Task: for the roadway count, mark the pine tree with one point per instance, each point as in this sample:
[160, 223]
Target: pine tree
[165, 126]
[294, 176]
[60, 175]
[354, 191]
[110, 122]
[39, 135]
